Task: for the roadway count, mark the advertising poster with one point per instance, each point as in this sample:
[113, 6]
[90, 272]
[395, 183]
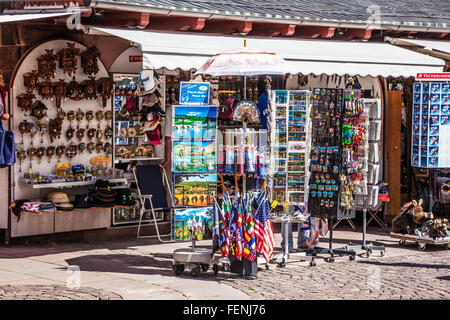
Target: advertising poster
[194, 93]
[194, 156]
[431, 125]
[195, 123]
[200, 220]
[194, 190]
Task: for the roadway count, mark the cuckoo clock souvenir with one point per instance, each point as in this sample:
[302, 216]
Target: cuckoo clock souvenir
[80, 133]
[105, 88]
[68, 58]
[75, 90]
[108, 115]
[31, 152]
[55, 128]
[69, 133]
[91, 133]
[45, 89]
[33, 130]
[47, 65]
[43, 130]
[31, 79]
[71, 116]
[89, 61]
[71, 151]
[40, 153]
[99, 116]
[50, 152]
[21, 155]
[23, 128]
[90, 147]
[99, 147]
[81, 147]
[60, 91]
[39, 110]
[89, 117]
[60, 151]
[99, 134]
[80, 116]
[89, 88]
[25, 101]
[108, 149]
[108, 132]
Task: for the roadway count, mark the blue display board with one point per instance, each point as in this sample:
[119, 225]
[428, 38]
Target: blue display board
[194, 93]
[431, 125]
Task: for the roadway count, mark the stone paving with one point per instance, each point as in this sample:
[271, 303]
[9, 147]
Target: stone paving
[43, 292]
[401, 277]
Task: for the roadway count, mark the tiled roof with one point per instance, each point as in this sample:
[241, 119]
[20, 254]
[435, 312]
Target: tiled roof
[434, 14]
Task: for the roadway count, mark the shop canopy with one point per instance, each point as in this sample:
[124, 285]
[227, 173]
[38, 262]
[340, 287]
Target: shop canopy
[190, 51]
[5, 18]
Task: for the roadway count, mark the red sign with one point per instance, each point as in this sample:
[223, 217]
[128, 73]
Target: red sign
[135, 58]
[433, 76]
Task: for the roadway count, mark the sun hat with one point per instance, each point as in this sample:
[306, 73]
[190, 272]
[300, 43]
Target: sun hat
[61, 200]
[149, 100]
[148, 80]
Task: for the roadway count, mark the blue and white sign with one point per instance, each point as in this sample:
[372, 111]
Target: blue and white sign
[194, 93]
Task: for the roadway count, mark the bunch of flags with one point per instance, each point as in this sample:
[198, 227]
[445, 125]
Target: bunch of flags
[245, 228]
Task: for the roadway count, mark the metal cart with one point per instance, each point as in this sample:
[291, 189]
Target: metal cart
[421, 241]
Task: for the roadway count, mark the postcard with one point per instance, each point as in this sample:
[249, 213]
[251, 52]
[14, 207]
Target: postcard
[197, 222]
[194, 189]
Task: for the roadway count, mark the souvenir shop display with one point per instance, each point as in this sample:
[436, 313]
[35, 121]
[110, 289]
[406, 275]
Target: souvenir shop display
[197, 222]
[89, 61]
[290, 136]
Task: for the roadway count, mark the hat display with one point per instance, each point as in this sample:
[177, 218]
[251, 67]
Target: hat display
[149, 81]
[149, 100]
[61, 200]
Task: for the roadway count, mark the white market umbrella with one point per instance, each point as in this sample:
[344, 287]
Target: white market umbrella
[244, 62]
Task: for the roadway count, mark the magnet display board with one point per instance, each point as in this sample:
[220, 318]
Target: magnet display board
[431, 125]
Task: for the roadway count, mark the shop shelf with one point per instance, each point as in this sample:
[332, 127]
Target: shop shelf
[24, 182]
[136, 159]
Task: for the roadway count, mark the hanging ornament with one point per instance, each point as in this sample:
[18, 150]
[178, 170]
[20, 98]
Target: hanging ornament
[89, 61]
[99, 147]
[108, 148]
[105, 88]
[69, 133]
[91, 133]
[89, 88]
[60, 152]
[21, 155]
[61, 115]
[25, 101]
[55, 128]
[108, 115]
[47, 65]
[60, 91]
[39, 110]
[99, 116]
[80, 115]
[31, 152]
[30, 80]
[89, 117]
[108, 132]
[45, 89]
[81, 147]
[33, 131]
[71, 116]
[80, 133]
[99, 134]
[68, 58]
[40, 154]
[71, 151]
[50, 152]
[23, 128]
[90, 147]
[43, 130]
[74, 90]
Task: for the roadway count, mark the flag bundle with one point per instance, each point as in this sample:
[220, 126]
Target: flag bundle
[264, 230]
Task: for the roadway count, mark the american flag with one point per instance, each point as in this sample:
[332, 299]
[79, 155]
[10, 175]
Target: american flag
[264, 231]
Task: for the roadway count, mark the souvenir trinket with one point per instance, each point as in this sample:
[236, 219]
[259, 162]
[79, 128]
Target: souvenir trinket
[99, 134]
[89, 88]
[69, 133]
[75, 90]
[23, 127]
[123, 152]
[90, 147]
[60, 151]
[55, 128]
[32, 130]
[47, 65]
[105, 89]
[61, 115]
[91, 133]
[25, 101]
[80, 115]
[132, 132]
[71, 151]
[45, 89]
[108, 132]
[30, 80]
[80, 133]
[99, 116]
[60, 91]
[39, 110]
[43, 130]
[246, 111]
[81, 147]
[31, 152]
[108, 115]
[50, 152]
[89, 61]
[108, 148]
[71, 116]
[40, 154]
[21, 155]
[68, 58]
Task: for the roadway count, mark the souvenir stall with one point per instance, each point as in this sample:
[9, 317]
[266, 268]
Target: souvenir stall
[431, 151]
[63, 179]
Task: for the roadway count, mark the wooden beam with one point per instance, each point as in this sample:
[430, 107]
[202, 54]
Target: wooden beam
[228, 26]
[129, 19]
[314, 32]
[360, 34]
[177, 23]
[273, 30]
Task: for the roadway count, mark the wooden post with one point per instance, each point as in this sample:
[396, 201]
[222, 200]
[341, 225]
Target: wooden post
[394, 154]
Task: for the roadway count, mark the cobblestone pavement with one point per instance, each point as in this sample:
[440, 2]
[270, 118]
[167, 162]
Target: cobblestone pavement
[401, 277]
[37, 292]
